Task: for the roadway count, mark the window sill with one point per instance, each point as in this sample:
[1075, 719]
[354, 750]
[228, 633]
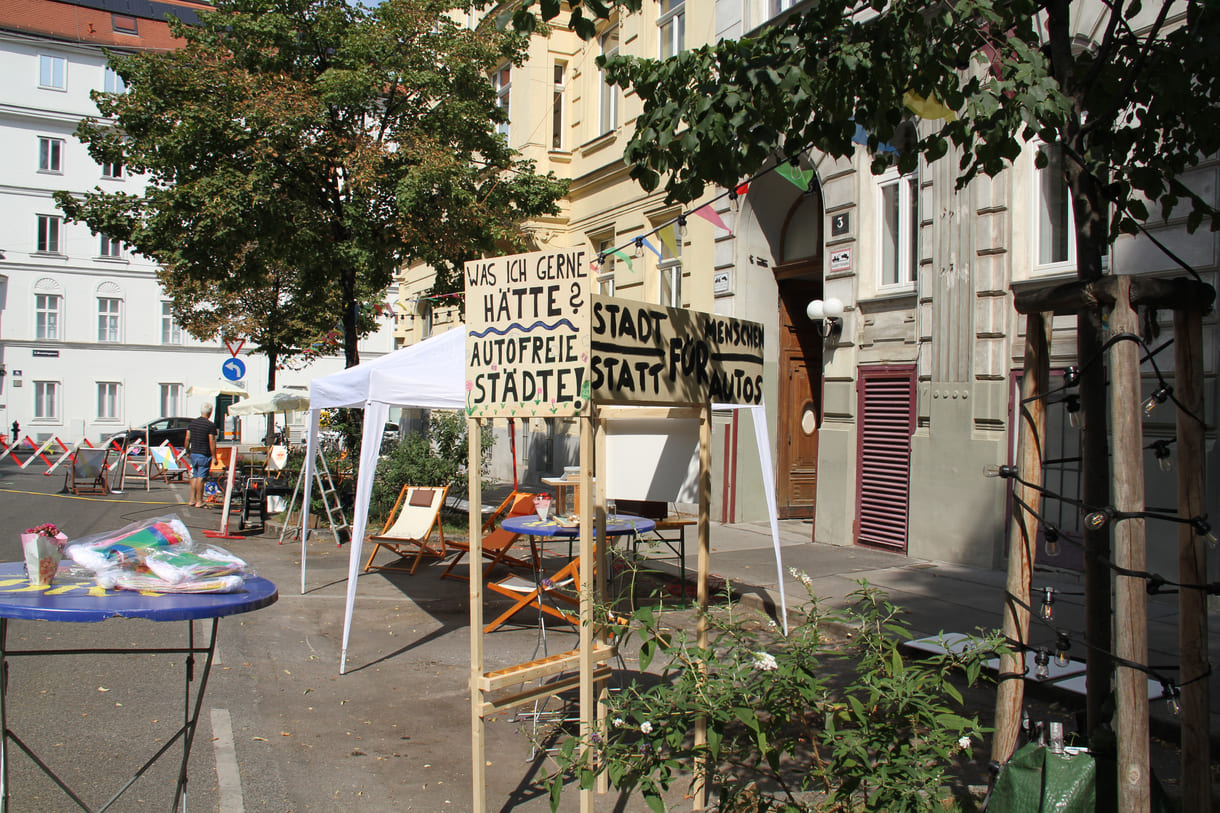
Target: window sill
[891, 294]
[598, 143]
[58, 172]
[49, 255]
[102, 258]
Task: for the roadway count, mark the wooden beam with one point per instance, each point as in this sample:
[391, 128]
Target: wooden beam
[540, 668]
[1153, 292]
[478, 724]
[640, 413]
[1130, 593]
[703, 769]
[1192, 564]
[497, 704]
[1023, 535]
[587, 709]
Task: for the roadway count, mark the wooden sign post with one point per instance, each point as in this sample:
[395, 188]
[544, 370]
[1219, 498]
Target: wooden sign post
[540, 344]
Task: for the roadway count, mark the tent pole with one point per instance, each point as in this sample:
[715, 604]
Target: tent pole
[699, 789]
[587, 709]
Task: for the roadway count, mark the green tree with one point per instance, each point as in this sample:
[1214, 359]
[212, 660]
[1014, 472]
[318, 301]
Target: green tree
[307, 149]
[1131, 103]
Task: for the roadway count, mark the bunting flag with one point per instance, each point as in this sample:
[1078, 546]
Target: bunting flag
[669, 239]
[929, 108]
[709, 214]
[798, 177]
[622, 255]
[861, 137]
[652, 248]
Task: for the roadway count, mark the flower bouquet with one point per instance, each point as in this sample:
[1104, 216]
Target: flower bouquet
[542, 506]
[43, 548]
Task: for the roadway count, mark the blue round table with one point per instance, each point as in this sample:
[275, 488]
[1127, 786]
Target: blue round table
[80, 600]
[616, 525]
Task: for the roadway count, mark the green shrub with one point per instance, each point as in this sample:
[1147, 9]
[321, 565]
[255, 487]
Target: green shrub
[794, 723]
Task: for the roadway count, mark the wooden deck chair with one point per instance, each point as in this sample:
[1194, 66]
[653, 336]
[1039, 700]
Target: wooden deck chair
[89, 472]
[409, 528]
[497, 543]
[164, 464]
[218, 477]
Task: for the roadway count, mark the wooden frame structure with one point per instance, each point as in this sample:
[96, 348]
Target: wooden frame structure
[1121, 296]
[540, 343]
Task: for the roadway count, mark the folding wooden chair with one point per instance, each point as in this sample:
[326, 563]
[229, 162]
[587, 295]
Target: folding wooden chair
[163, 463]
[89, 472]
[497, 543]
[409, 528]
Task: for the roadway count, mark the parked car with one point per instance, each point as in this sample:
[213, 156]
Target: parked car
[154, 433]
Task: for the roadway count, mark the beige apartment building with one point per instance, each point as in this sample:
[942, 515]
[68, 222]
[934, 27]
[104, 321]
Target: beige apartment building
[883, 417]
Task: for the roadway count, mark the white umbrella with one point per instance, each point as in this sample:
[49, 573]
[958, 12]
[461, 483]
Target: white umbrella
[212, 390]
[281, 400]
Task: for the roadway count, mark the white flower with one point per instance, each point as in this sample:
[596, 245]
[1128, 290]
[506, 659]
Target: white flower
[963, 743]
[645, 727]
[619, 722]
[765, 661]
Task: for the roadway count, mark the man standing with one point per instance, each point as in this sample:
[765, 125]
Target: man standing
[201, 443]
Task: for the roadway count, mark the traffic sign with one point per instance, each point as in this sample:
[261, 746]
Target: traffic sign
[233, 369]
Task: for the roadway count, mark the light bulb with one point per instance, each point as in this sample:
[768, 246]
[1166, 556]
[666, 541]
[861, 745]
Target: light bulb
[1075, 419]
[1062, 659]
[1204, 529]
[1051, 538]
[1159, 396]
[639, 247]
[1042, 665]
[1096, 520]
[1048, 604]
[1071, 376]
[999, 470]
[682, 225]
[1170, 694]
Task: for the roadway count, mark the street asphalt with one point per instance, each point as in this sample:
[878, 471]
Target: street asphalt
[281, 730]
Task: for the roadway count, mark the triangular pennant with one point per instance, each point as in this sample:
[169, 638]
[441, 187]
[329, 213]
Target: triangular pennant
[929, 108]
[861, 137]
[796, 176]
[624, 257]
[652, 248]
[709, 214]
[669, 239]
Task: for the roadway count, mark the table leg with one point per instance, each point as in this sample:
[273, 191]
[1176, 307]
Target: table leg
[3, 716]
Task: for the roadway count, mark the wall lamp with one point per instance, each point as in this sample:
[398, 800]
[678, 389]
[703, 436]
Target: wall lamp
[829, 312]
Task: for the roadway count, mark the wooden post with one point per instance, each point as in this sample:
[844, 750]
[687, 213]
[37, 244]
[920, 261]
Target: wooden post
[478, 726]
[699, 786]
[600, 574]
[1130, 595]
[1192, 563]
[1023, 534]
[587, 709]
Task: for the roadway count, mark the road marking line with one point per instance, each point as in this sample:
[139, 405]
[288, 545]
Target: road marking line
[228, 777]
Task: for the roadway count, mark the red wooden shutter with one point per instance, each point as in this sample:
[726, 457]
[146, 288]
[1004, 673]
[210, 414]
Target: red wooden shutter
[886, 420]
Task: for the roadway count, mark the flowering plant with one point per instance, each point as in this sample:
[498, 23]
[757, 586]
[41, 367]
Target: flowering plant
[46, 529]
[828, 717]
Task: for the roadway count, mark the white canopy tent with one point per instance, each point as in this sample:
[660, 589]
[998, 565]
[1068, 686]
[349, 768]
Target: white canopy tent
[432, 375]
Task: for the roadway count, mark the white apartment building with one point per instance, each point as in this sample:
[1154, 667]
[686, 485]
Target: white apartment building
[88, 345]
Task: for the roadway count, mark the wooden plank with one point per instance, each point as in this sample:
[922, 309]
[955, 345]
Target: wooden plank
[1081, 295]
[1130, 594]
[587, 709]
[478, 725]
[1023, 534]
[600, 675]
[626, 413]
[540, 668]
[1192, 564]
[704, 768]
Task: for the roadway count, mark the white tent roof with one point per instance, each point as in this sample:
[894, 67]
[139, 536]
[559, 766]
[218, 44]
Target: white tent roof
[426, 374]
[280, 400]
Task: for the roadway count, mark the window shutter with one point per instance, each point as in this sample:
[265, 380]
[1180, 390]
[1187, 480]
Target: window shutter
[886, 412]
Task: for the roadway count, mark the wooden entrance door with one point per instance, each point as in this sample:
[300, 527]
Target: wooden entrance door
[800, 391]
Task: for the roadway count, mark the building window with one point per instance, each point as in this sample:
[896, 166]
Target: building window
[112, 170]
[124, 23]
[605, 271]
[108, 400]
[669, 291]
[50, 155]
[48, 234]
[171, 400]
[608, 118]
[899, 229]
[502, 81]
[557, 108]
[1056, 232]
[108, 323]
[113, 83]
[171, 333]
[46, 316]
[52, 72]
[760, 11]
[672, 25]
[110, 247]
[46, 400]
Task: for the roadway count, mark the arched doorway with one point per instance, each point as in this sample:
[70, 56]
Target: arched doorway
[798, 277]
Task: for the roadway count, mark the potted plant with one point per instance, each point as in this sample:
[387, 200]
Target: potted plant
[43, 547]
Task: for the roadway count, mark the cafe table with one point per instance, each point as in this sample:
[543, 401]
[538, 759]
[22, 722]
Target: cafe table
[71, 599]
[554, 528]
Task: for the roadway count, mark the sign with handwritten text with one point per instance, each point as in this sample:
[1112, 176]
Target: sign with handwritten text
[649, 354]
[527, 345]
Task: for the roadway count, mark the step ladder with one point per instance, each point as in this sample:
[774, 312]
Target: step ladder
[330, 502]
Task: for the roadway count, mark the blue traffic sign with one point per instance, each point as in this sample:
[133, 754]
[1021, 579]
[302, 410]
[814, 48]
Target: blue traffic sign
[233, 369]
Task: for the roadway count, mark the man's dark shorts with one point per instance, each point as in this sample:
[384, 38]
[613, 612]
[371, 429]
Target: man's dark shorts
[200, 463]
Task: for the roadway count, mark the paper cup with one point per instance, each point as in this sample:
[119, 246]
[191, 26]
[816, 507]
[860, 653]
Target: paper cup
[42, 556]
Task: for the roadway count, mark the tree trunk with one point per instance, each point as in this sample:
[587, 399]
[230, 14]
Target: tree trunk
[351, 352]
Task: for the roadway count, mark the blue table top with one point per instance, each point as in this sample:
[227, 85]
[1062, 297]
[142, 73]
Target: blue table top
[617, 525]
[75, 599]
